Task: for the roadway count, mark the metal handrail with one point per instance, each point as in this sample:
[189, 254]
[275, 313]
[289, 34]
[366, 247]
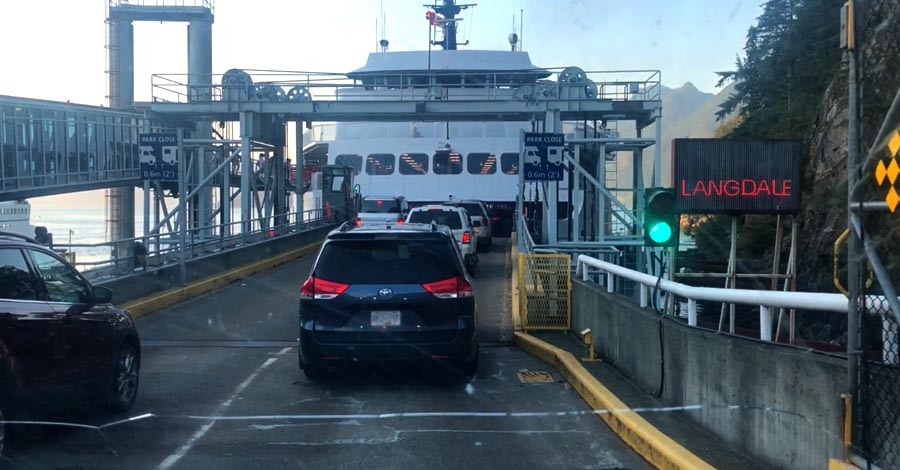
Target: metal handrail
[615, 85]
[164, 245]
[766, 300]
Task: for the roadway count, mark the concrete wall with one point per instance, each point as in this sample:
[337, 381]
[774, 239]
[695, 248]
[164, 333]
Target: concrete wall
[142, 284]
[788, 399]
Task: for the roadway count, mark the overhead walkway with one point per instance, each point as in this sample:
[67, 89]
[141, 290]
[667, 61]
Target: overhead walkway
[49, 147]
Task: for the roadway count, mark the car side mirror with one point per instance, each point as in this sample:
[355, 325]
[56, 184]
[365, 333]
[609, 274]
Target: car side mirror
[476, 223]
[102, 295]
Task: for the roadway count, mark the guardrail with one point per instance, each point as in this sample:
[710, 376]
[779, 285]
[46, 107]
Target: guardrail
[766, 300]
[99, 261]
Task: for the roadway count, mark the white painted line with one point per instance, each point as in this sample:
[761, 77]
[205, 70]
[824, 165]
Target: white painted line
[173, 458]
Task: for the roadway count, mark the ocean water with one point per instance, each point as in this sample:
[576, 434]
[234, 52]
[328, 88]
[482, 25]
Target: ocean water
[80, 225]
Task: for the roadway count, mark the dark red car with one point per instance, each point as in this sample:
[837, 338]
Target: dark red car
[59, 334]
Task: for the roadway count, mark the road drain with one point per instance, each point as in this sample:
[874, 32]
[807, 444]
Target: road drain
[534, 377]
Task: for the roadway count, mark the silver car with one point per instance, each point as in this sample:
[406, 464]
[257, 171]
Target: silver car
[478, 212]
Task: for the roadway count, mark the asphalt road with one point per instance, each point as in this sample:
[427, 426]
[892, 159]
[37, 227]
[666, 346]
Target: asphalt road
[220, 389]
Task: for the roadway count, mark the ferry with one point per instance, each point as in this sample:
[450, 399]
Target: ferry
[429, 162]
[15, 217]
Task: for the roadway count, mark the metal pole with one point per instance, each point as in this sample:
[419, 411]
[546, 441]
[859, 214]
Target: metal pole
[853, 245]
[732, 263]
[246, 172]
[776, 261]
[520, 200]
[299, 181]
[225, 203]
[146, 208]
[182, 222]
[657, 157]
[576, 202]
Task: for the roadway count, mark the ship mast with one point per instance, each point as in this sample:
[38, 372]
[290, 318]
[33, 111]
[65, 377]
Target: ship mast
[448, 10]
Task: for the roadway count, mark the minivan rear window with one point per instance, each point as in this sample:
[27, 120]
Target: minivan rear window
[438, 216]
[380, 206]
[392, 261]
[474, 210]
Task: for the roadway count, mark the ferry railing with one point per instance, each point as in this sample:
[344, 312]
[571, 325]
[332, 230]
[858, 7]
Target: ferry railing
[591, 269]
[97, 261]
[551, 83]
[210, 4]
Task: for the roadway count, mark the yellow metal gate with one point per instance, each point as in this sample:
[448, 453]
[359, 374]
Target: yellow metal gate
[545, 291]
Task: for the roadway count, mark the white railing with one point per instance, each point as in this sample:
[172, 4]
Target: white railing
[766, 300]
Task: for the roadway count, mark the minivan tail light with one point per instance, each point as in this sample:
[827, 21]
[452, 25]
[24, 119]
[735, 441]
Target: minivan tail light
[358, 221]
[399, 220]
[467, 238]
[452, 288]
[320, 289]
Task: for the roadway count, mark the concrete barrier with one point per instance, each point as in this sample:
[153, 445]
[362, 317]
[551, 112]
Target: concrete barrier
[779, 404]
[148, 283]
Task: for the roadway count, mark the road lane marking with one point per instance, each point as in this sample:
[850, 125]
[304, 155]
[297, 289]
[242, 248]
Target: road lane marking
[173, 458]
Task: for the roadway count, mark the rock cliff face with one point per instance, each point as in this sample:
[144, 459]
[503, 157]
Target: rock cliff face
[824, 216]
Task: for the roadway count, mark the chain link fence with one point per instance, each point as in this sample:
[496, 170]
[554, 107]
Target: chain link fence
[879, 387]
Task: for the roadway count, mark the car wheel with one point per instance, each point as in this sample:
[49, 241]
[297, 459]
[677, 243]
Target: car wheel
[126, 376]
[314, 373]
[469, 368]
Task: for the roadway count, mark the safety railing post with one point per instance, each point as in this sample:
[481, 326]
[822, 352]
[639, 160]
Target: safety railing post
[692, 312]
[644, 292]
[765, 323]
[610, 283]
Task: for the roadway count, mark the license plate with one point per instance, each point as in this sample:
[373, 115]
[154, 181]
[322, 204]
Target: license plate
[385, 318]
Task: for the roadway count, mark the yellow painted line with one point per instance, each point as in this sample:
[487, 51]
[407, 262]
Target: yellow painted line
[655, 447]
[146, 305]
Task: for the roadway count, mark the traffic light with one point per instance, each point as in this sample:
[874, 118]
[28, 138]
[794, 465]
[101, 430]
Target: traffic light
[660, 219]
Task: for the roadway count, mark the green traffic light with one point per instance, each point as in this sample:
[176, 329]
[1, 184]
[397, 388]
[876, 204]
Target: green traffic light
[660, 232]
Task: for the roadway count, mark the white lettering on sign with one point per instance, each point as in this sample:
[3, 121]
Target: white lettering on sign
[551, 139]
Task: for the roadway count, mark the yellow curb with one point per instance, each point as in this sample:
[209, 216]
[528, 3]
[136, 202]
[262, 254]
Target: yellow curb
[146, 305]
[835, 464]
[514, 282]
[655, 447]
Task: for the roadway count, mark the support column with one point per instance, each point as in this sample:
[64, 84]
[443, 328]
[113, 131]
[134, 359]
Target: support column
[199, 90]
[601, 202]
[577, 199]
[299, 161]
[246, 171]
[120, 201]
[552, 124]
[225, 202]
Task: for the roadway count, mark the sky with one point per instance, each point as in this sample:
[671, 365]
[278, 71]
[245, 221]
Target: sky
[55, 49]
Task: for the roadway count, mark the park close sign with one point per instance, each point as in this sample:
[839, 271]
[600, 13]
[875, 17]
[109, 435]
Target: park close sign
[723, 176]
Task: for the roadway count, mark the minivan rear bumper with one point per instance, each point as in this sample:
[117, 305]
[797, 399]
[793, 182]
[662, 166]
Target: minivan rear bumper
[463, 347]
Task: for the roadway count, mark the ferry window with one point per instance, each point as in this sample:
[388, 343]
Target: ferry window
[352, 131]
[350, 160]
[399, 129]
[380, 164]
[494, 129]
[377, 131]
[447, 163]
[413, 164]
[509, 163]
[423, 130]
[481, 163]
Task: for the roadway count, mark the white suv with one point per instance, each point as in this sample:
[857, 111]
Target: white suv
[459, 223]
